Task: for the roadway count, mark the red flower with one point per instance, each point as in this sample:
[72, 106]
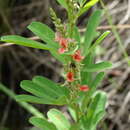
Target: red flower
[84, 88]
[61, 50]
[70, 76]
[63, 42]
[77, 56]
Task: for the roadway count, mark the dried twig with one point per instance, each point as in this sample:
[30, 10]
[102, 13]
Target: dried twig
[125, 26]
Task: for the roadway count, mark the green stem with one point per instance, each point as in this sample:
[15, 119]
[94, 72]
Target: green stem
[25, 105]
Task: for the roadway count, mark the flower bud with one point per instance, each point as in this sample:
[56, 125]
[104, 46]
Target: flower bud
[70, 76]
[77, 56]
[84, 88]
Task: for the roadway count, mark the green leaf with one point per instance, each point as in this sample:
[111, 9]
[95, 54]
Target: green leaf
[87, 6]
[87, 76]
[99, 117]
[24, 42]
[45, 100]
[48, 36]
[60, 101]
[33, 99]
[58, 56]
[63, 3]
[51, 86]
[72, 113]
[91, 30]
[44, 33]
[98, 67]
[76, 35]
[57, 118]
[37, 90]
[75, 127]
[93, 85]
[41, 30]
[45, 91]
[96, 110]
[98, 41]
[99, 77]
[42, 123]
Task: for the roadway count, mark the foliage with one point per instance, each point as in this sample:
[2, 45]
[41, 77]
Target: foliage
[85, 104]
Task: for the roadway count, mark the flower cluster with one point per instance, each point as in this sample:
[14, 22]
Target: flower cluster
[77, 57]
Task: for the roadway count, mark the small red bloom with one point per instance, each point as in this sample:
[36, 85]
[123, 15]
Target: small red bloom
[70, 76]
[84, 88]
[77, 56]
[61, 50]
[63, 42]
